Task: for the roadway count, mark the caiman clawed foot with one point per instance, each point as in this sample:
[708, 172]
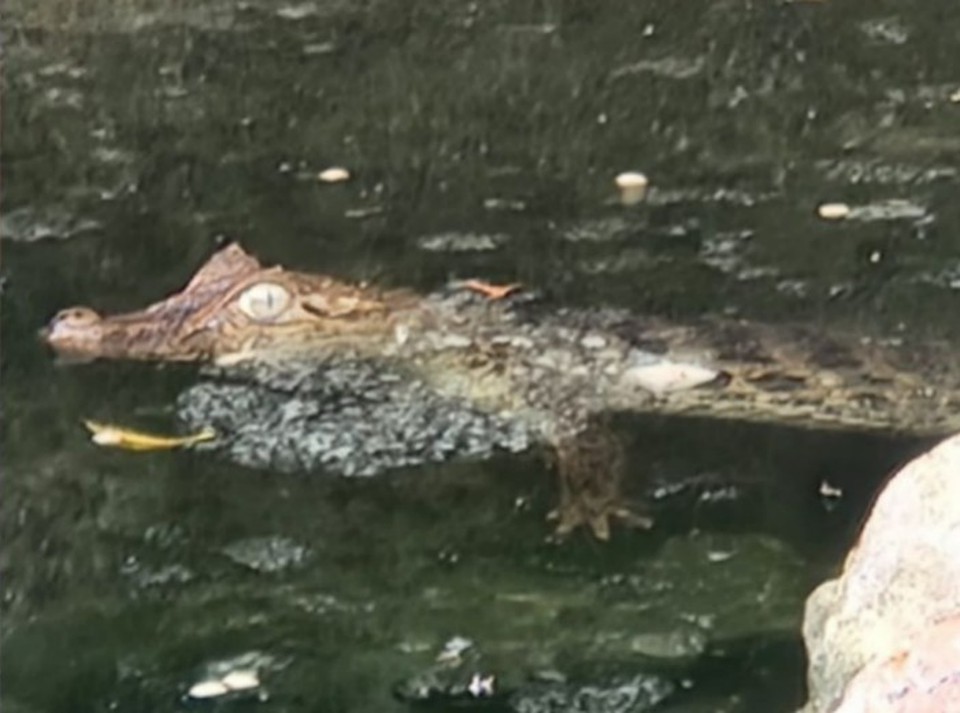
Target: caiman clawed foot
[590, 467]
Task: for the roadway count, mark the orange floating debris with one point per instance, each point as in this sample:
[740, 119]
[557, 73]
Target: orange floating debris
[491, 291]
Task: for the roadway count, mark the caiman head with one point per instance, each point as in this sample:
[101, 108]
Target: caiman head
[234, 308]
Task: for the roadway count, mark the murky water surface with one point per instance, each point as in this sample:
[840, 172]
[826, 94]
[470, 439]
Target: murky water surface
[482, 139]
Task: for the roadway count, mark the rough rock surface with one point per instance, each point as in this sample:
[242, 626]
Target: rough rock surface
[920, 678]
[898, 584]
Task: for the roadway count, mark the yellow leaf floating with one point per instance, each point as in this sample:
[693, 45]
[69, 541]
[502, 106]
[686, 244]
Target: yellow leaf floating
[105, 434]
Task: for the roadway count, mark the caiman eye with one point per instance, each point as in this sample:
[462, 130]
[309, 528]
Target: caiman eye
[263, 301]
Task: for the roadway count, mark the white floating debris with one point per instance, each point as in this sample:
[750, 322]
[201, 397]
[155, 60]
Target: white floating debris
[955, 97]
[208, 689]
[481, 685]
[334, 174]
[833, 211]
[827, 490]
[830, 495]
[241, 680]
[633, 187]
[665, 376]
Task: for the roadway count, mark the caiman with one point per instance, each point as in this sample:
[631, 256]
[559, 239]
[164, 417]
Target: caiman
[314, 373]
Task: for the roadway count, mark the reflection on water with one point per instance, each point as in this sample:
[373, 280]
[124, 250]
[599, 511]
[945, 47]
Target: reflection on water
[482, 139]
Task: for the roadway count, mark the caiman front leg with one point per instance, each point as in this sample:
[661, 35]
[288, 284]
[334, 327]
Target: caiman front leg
[590, 465]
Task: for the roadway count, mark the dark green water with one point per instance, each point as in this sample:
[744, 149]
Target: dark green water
[136, 135]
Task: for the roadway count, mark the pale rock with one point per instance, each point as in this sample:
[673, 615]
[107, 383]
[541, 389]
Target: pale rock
[900, 581]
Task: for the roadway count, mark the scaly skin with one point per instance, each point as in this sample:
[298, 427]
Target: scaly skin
[558, 374]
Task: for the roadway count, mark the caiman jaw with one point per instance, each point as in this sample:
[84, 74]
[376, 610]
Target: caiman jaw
[233, 308]
[79, 334]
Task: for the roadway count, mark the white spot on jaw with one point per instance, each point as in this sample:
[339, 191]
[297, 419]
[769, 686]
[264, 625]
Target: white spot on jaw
[233, 358]
[666, 376]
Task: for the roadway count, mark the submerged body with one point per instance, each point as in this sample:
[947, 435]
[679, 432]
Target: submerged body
[312, 372]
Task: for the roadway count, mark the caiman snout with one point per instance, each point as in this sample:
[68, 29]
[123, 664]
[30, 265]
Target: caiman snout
[75, 331]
